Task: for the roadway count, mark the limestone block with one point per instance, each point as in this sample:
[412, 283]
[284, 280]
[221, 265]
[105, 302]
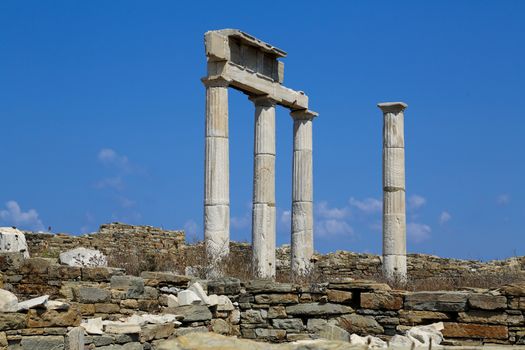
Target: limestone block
[33, 303]
[474, 331]
[93, 326]
[394, 234]
[381, 301]
[8, 301]
[487, 302]
[217, 169]
[52, 318]
[216, 46]
[436, 301]
[359, 324]
[393, 130]
[83, 257]
[264, 179]
[47, 342]
[339, 296]
[13, 240]
[199, 292]
[120, 327]
[394, 202]
[393, 168]
[12, 320]
[75, 339]
[188, 297]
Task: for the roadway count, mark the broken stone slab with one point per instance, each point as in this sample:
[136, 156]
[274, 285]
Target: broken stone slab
[75, 339]
[199, 292]
[93, 326]
[191, 313]
[83, 257]
[188, 297]
[426, 335]
[121, 327]
[8, 301]
[13, 240]
[33, 303]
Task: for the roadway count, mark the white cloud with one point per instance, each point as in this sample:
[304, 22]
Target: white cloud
[444, 217]
[367, 205]
[240, 222]
[324, 211]
[333, 227]
[14, 216]
[503, 199]
[286, 217]
[416, 201]
[191, 228]
[418, 232]
[125, 202]
[109, 156]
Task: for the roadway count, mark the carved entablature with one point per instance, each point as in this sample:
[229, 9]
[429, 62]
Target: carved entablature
[250, 65]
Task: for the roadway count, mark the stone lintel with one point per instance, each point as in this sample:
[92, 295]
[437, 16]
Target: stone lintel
[392, 107]
[263, 100]
[303, 114]
[214, 37]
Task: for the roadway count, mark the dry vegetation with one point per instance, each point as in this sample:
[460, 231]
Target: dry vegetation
[238, 264]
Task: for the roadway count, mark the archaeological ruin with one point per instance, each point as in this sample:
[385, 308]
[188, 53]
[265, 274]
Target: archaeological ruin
[128, 287]
[238, 60]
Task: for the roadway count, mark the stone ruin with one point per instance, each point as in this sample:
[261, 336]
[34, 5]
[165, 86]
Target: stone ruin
[66, 297]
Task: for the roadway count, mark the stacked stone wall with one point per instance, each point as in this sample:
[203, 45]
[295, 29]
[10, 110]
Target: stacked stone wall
[262, 310]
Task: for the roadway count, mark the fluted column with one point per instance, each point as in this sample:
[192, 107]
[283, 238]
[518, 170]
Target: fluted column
[302, 193]
[394, 208]
[263, 215]
[217, 177]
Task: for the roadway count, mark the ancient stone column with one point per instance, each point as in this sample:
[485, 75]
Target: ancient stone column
[394, 209]
[263, 215]
[217, 177]
[302, 193]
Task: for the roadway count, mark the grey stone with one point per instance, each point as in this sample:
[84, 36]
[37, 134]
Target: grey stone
[333, 332]
[363, 325]
[48, 342]
[132, 285]
[293, 324]
[317, 309]
[316, 325]
[224, 285]
[267, 286]
[99, 340]
[192, 313]
[436, 301]
[487, 302]
[91, 295]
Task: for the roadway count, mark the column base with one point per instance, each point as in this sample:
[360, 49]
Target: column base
[395, 267]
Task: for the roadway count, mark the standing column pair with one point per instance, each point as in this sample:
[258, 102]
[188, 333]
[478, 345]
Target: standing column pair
[394, 207]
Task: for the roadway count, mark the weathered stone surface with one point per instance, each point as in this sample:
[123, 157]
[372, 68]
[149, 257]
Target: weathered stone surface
[515, 289]
[197, 289]
[339, 296]
[188, 297]
[277, 312]
[487, 302]
[381, 301]
[121, 327]
[42, 343]
[466, 330]
[191, 313]
[8, 301]
[436, 301]
[224, 285]
[282, 298]
[13, 240]
[268, 286]
[156, 278]
[9, 321]
[252, 317]
[75, 339]
[52, 318]
[414, 317]
[83, 257]
[90, 295]
[132, 285]
[482, 316]
[292, 324]
[363, 325]
[156, 331]
[220, 326]
[316, 309]
[333, 332]
[3, 340]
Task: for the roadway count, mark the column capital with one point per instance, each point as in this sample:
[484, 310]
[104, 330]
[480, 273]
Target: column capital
[303, 114]
[262, 100]
[392, 107]
[215, 81]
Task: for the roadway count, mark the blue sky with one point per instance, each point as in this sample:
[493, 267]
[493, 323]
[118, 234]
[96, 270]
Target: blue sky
[102, 114]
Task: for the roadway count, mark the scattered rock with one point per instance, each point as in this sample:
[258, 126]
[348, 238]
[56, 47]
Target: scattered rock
[83, 257]
[13, 240]
[188, 297]
[33, 303]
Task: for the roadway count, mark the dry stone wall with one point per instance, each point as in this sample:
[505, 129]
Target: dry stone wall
[262, 310]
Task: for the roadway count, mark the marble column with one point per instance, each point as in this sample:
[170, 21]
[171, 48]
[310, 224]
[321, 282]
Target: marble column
[263, 215]
[302, 193]
[394, 208]
[217, 177]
